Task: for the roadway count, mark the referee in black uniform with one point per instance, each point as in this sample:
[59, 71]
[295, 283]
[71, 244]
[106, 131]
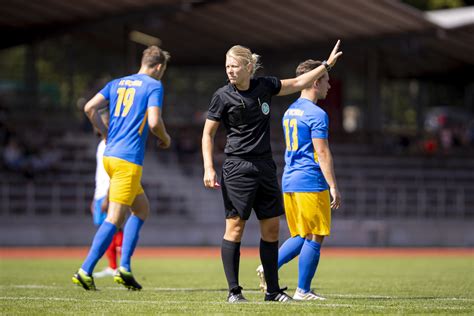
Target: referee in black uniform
[249, 178]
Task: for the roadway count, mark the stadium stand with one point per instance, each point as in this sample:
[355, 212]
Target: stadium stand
[375, 186]
[389, 194]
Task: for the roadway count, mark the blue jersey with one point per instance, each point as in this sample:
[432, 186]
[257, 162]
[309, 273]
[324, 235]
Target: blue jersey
[129, 99]
[302, 122]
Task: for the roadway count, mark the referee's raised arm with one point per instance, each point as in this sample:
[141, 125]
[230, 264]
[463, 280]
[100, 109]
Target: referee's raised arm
[289, 86]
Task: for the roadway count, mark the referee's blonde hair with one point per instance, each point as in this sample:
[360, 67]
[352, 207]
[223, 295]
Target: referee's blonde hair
[245, 57]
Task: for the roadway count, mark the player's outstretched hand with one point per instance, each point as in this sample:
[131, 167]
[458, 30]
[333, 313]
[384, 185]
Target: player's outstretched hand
[334, 54]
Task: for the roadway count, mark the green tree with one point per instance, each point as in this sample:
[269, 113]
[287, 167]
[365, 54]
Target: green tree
[427, 5]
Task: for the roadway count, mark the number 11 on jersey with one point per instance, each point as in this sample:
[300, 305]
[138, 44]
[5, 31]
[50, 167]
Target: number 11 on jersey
[291, 143]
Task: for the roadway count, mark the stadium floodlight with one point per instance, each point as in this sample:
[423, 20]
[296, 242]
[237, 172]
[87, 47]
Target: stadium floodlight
[144, 39]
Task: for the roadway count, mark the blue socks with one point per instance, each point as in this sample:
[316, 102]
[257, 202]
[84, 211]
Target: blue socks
[102, 239]
[309, 252]
[307, 264]
[131, 233]
[290, 249]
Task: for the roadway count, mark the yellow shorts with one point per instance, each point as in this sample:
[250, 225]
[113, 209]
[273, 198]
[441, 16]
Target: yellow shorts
[124, 180]
[308, 213]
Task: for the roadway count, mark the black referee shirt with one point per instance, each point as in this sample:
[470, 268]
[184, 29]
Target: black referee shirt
[246, 117]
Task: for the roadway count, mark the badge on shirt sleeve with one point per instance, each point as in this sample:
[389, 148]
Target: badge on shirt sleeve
[265, 108]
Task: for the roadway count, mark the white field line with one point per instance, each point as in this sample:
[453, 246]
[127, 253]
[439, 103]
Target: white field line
[180, 289]
[397, 297]
[161, 302]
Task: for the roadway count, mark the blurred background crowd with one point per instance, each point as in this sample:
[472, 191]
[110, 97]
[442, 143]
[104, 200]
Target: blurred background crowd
[401, 110]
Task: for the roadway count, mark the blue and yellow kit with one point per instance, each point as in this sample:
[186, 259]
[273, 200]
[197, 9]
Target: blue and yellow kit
[129, 99]
[302, 122]
[306, 195]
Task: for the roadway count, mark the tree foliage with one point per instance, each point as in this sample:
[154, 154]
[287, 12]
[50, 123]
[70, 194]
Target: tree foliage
[427, 5]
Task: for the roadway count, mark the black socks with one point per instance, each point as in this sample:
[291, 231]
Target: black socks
[230, 252]
[269, 258]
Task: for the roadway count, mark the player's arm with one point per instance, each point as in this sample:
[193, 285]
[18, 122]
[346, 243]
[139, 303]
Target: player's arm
[289, 86]
[208, 134]
[92, 111]
[321, 147]
[157, 126]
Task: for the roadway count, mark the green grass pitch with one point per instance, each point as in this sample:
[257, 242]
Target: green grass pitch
[353, 285]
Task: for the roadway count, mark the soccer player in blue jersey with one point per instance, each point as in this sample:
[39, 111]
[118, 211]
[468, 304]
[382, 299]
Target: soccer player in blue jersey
[308, 182]
[135, 104]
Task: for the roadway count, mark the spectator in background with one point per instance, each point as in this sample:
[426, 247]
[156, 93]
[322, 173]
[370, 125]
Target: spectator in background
[30, 158]
[14, 155]
[46, 159]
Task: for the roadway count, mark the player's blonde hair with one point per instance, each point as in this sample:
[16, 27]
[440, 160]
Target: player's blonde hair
[245, 57]
[154, 55]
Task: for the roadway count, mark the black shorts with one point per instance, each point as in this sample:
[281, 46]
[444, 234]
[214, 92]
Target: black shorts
[248, 184]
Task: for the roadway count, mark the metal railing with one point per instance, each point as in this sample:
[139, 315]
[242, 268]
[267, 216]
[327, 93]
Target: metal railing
[365, 195]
